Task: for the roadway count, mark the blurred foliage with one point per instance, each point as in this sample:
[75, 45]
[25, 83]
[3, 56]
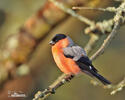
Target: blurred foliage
[16, 13]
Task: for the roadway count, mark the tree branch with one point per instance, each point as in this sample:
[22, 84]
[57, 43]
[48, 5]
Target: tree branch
[51, 90]
[106, 42]
[118, 19]
[72, 13]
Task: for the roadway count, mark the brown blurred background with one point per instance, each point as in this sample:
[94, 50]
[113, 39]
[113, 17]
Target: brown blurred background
[43, 70]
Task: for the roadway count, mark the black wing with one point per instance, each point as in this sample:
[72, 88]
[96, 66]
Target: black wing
[80, 57]
[85, 64]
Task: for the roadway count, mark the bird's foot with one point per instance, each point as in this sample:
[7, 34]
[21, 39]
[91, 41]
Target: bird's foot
[51, 90]
[69, 77]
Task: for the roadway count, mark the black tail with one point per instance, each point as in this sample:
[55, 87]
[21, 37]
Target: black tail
[102, 79]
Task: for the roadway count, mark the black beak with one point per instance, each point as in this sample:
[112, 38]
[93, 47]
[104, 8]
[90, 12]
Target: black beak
[51, 43]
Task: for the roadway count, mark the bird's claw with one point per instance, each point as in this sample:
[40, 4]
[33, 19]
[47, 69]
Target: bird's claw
[68, 78]
[51, 90]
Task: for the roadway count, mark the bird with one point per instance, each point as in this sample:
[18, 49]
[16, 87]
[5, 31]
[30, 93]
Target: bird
[72, 58]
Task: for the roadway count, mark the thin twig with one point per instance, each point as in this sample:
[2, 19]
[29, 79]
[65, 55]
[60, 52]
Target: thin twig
[72, 13]
[115, 88]
[57, 83]
[93, 39]
[109, 9]
[119, 0]
[118, 87]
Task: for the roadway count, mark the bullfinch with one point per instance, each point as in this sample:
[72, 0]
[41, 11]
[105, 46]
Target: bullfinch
[72, 59]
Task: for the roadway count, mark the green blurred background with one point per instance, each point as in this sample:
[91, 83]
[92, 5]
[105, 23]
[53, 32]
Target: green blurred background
[13, 13]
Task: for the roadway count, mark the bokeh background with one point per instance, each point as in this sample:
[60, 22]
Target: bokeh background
[43, 70]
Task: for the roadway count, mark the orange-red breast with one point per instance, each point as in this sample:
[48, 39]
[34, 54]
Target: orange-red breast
[72, 59]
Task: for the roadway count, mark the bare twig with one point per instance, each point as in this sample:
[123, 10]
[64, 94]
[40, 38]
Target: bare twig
[59, 82]
[119, 0]
[118, 87]
[93, 39]
[109, 9]
[115, 88]
[72, 13]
